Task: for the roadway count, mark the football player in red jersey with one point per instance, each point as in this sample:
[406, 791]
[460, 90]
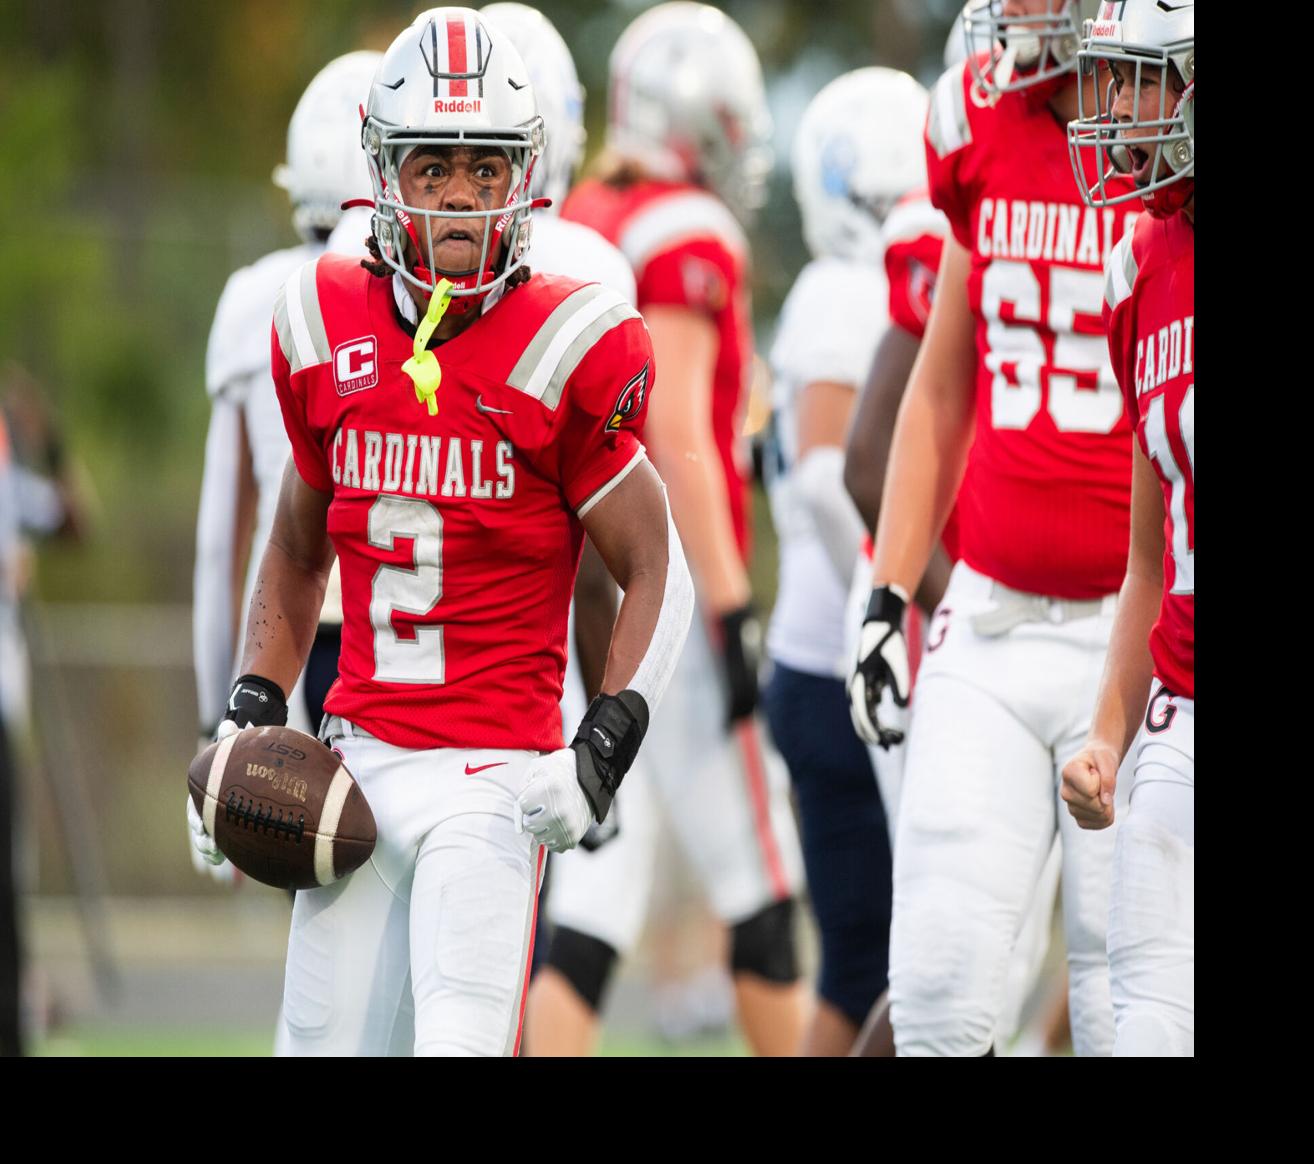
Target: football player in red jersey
[687, 133]
[1146, 128]
[457, 424]
[1014, 351]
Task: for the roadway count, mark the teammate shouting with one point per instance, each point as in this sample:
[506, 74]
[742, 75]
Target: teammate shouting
[1146, 128]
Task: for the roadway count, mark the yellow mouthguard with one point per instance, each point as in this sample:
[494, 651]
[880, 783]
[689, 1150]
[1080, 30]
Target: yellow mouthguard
[423, 367]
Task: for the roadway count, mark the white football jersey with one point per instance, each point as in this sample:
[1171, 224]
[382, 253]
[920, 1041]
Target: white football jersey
[566, 248]
[832, 320]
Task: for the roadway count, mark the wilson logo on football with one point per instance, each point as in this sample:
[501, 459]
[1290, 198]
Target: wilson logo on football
[356, 365]
[630, 402]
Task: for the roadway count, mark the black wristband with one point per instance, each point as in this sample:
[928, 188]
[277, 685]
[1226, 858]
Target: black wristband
[741, 656]
[885, 606]
[605, 745]
[256, 702]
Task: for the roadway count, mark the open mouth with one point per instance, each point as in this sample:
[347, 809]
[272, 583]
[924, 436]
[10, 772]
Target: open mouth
[1142, 163]
[463, 236]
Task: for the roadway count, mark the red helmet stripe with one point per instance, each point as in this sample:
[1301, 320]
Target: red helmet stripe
[456, 61]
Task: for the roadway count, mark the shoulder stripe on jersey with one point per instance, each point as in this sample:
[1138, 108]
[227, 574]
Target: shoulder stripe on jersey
[912, 220]
[947, 128]
[300, 321]
[666, 221]
[598, 494]
[1120, 272]
[566, 337]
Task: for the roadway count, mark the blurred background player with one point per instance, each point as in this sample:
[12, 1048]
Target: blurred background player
[1143, 125]
[858, 149]
[247, 447]
[1014, 349]
[688, 158]
[559, 247]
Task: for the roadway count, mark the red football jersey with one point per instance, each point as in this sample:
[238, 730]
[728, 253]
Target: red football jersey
[1150, 314]
[458, 534]
[1045, 508]
[914, 239]
[687, 250]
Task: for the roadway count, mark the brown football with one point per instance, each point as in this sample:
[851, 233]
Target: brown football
[282, 807]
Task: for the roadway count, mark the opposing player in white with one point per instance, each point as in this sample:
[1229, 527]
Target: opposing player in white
[858, 149]
[247, 447]
[687, 134]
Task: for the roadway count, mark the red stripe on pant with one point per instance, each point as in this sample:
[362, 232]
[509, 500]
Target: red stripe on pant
[755, 776]
[529, 953]
[456, 54]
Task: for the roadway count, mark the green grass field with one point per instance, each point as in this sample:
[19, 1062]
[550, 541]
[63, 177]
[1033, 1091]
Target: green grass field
[136, 1044]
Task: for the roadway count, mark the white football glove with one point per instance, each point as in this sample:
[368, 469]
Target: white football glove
[205, 854]
[552, 805]
[881, 667]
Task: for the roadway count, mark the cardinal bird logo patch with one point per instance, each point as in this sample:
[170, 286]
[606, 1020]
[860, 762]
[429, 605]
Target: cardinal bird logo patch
[630, 402]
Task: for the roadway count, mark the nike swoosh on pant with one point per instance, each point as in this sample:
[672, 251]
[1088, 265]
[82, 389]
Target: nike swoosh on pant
[483, 767]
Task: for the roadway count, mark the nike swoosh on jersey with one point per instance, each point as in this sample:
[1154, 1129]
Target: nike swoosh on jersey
[482, 407]
[483, 767]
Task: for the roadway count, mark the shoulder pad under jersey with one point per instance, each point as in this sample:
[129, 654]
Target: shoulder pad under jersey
[238, 347]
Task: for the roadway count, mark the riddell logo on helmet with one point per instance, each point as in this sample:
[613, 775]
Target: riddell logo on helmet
[468, 105]
[356, 365]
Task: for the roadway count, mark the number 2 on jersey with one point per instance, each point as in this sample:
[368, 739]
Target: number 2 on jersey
[397, 589]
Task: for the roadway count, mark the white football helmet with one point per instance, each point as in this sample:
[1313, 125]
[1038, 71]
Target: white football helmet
[955, 45]
[452, 79]
[686, 100]
[1139, 34]
[1010, 53]
[858, 151]
[324, 166]
[557, 89]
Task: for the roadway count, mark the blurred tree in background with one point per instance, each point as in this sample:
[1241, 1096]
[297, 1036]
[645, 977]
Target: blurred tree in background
[136, 146]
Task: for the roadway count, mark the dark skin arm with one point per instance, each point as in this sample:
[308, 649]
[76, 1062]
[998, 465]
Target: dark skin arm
[595, 615]
[244, 520]
[289, 590]
[629, 529]
[868, 449]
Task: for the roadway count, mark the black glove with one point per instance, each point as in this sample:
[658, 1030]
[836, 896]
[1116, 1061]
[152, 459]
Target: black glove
[882, 664]
[741, 654]
[605, 745]
[256, 702]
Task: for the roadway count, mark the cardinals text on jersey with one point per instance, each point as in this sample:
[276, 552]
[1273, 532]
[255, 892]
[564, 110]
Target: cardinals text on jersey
[1150, 310]
[458, 534]
[1046, 503]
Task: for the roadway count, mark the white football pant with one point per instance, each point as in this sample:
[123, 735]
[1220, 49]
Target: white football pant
[994, 719]
[888, 764]
[426, 947]
[1152, 918]
[726, 798]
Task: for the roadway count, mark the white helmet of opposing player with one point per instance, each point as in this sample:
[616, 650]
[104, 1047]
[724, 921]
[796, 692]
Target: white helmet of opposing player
[858, 151]
[1011, 52]
[324, 166]
[686, 101]
[1139, 36]
[452, 79]
[557, 89]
